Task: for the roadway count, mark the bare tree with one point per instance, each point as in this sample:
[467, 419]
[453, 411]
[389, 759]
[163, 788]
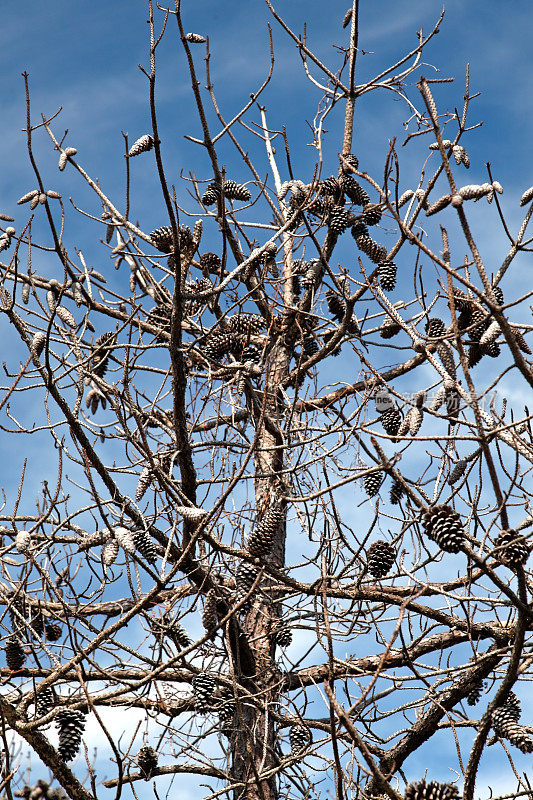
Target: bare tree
[291, 578]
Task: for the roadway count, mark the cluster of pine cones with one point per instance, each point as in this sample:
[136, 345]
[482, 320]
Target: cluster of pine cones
[27, 623]
[481, 328]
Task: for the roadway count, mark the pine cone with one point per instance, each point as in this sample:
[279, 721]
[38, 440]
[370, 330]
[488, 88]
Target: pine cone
[101, 353]
[211, 194]
[300, 738]
[380, 557]
[405, 197]
[514, 548]
[18, 613]
[389, 328]
[70, 724]
[234, 191]
[310, 346]
[458, 471]
[209, 616]
[521, 342]
[53, 631]
[513, 706]
[211, 262]
[438, 205]
[330, 186]
[142, 145]
[354, 191]
[15, 655]
[251, 354]
[204, 686]
[143, 482]
[246, 323]
[215, 347]
[391, 420]
[179, 635]
[371, 213]
[45, 702]
[262, 538]
[283, 635]
[37, 622]
[339, 220]
[506, 728]
[443, 525]
[162, 238]
[491, 349]
[431, 791]
[462, 301]
[387, 275]
[37, 344]
[498, 294]
[336, 306]
[373, 250]
[349, 162]
[110, 552]
[414, 420]
[453, 402]
[372, 482]
[147, 759]
[445, 353]
[244, 579]
[226, 713]
[480, 322]
[475, 693]
[145, 546]
[195, 38]
[321, 207]
[475, 354]
[435, 327]
[359, 229]
[125, 539]
[396, 493]
[23, 541]
[160, 317]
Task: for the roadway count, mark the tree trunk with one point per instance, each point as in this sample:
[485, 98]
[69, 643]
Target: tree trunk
[254, 740]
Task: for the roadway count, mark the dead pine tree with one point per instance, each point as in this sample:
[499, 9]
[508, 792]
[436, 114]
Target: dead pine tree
[286, 518]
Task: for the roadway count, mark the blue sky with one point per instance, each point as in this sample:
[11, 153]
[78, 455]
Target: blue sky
[84, 56]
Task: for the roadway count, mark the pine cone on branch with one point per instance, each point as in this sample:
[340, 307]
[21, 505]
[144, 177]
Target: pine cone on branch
[204, 686]
[245, 578]
[396, 493]
[387, 275]
[300, 738]
[507, 728]
[15, 655]
[145, 546]
[70, 724]
[389, 328]
[235, 191]
[443, 525]
[380, 557]
[147, 759]
[475, 693]
[431, 791]
[142, 145]
[209, 615]
[262, 538]
[511, 548]
[354, 191]
[391, 420]
[372, 482]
